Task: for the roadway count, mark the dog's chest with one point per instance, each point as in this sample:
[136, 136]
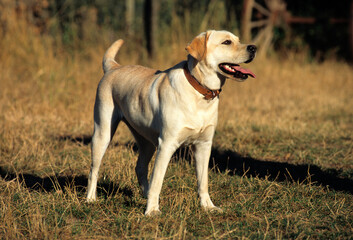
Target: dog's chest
[192, 136]
[198, 127]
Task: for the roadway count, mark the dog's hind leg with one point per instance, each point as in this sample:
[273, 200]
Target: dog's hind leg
[106, 119]
[146, 150]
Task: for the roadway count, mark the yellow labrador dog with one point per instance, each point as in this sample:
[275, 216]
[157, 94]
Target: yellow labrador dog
[165, 109]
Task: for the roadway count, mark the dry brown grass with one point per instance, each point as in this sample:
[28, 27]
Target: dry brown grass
[294, 112]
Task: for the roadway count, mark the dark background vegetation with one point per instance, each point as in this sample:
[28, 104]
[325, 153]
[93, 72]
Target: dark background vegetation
[74, 20]
[323, 37]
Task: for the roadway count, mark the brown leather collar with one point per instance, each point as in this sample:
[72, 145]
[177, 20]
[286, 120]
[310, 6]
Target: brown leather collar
[206, 92]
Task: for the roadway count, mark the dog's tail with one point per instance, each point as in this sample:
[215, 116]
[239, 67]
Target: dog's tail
[109, 56]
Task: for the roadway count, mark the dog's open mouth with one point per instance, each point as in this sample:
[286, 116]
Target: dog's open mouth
[235, 70]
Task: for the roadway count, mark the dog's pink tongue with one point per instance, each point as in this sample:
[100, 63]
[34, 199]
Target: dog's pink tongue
[244, 71]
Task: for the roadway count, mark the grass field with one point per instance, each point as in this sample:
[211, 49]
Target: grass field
[281, 165]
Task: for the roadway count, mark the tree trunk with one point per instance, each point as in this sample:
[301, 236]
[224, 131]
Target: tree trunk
[151, 26]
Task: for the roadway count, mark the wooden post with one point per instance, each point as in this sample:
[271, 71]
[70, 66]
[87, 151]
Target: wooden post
[351, 30]
[246, 20]
[130, 16]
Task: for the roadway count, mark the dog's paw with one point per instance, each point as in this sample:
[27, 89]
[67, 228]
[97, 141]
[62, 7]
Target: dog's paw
[208, 205]
[213, 209]
[91, 200]
[153, 213]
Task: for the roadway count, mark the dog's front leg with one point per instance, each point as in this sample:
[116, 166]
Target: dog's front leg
[202, 157]
[164, 153]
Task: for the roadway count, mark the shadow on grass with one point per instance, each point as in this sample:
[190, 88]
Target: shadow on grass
[61, 183]
[224, 160]
[278, 171]
[81, 140]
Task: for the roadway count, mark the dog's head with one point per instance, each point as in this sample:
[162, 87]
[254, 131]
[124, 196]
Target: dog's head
[222, 51]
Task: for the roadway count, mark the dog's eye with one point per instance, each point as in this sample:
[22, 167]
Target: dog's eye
[227, 42]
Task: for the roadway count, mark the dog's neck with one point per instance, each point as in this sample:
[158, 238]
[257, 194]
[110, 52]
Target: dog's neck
[204, 75]
[206, 92]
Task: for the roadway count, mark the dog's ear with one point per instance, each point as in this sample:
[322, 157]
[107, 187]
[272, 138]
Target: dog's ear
[198, 47]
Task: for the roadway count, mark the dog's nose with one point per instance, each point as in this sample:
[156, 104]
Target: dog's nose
[251, 49]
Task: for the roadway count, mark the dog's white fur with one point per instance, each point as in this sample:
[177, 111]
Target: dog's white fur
[163, 110]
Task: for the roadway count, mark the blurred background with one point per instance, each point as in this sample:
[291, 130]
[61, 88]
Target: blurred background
[319, 29]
